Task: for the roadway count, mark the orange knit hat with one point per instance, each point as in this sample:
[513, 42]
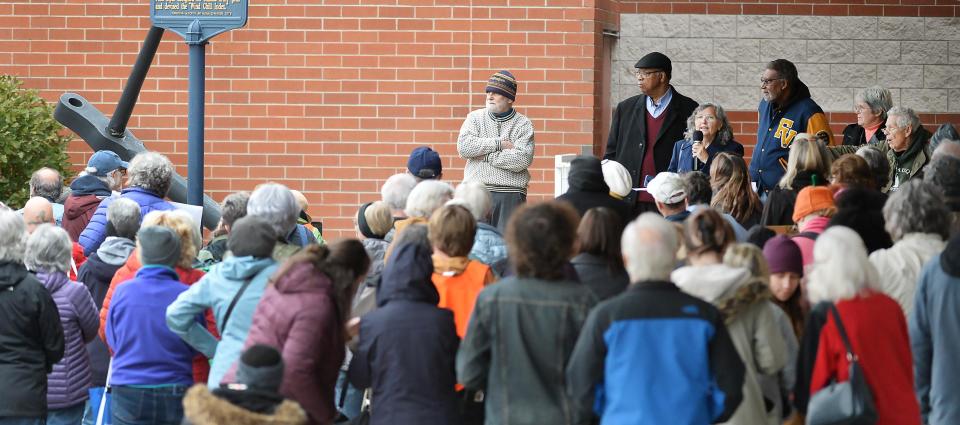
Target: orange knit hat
[812, 199]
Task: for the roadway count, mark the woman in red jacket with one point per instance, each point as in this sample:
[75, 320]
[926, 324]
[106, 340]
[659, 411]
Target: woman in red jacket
[303, 314]
[873, 321]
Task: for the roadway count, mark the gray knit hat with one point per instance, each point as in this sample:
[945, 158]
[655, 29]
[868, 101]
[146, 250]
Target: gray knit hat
[260, 368]
[159, 245]
[253, 236]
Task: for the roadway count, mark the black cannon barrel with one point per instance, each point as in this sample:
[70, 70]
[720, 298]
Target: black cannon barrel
[131, 91]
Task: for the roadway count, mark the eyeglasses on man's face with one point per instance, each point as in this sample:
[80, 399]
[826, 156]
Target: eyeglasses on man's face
[766, 81]
[644, 74]
[890, 130]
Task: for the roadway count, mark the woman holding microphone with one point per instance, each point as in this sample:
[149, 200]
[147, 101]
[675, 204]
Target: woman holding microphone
[708, 133]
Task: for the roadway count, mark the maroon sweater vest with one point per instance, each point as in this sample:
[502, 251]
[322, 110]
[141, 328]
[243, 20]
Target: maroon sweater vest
[648, 167]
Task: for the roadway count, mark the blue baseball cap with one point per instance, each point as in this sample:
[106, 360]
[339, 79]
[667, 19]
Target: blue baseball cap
[425, 163]
[105, 162]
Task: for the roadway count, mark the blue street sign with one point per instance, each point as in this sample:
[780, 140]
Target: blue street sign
[212, 16]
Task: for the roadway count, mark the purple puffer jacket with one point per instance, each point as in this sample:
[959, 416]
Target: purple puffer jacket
[68, 383]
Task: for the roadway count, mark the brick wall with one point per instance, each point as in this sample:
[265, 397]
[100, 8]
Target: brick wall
[719, 58]
[941, 8]
[326, 96]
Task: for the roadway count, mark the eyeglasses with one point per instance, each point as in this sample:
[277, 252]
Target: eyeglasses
[644, 74]
[766, 81]
[890, 130]
[859, 109]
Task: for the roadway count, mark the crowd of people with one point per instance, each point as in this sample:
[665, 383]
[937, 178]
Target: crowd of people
[673, 283]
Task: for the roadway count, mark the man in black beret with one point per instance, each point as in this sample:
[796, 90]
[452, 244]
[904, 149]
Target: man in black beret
[646, 126]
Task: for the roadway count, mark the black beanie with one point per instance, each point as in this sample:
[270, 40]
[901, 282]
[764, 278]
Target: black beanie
[362, 223]
[260, 368]
[251, 236]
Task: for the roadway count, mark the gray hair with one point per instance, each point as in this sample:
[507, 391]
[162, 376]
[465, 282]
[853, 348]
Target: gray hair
[942, 172]
[877, 98]
[905, 117]
[396, 190]
[151, 171]
[124, 215]
[275, 203]
[107, 179]
[840, 268]
[916, 207]
[426, 197]
[877, 161]
[649, 247]
[43, 185]
[475, 197]
[13, 236]
[724, 135]
[234, 207]
[49, 249]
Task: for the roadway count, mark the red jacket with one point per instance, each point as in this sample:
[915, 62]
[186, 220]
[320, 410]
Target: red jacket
[77, 211]
[201, 366]
[878, 332]
[298, 315]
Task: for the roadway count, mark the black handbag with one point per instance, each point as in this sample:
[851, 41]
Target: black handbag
[843, 403]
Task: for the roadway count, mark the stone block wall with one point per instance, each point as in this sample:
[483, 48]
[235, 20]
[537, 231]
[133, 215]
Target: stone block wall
[719, 58]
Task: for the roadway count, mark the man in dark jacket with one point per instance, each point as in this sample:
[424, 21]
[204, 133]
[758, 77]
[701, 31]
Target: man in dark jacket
[637, 360]
[587, 189]
[31, 338]
[103, 175]
[408, 345]
[785, 111]
[645, 127]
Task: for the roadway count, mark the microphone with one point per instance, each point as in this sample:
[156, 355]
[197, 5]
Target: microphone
[697, 136]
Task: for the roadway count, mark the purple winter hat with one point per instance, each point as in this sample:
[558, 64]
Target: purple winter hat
[783, 255]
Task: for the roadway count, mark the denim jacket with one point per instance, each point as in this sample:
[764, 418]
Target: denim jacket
[517, 346]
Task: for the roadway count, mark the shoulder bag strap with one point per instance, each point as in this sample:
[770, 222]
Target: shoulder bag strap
[226, 318]
[843, 333]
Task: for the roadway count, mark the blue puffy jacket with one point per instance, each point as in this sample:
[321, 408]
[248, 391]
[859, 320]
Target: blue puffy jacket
[96, 231]
[488, 246]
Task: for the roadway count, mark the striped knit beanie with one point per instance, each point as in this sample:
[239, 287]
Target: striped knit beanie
[504, 83]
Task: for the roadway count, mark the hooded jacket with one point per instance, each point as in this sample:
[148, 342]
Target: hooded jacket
[95, 274]
[752, 325]
[202, 407]
[67, 384]
[488, 245]
[587, 189]
[518, 344]
[407, 346]
[900, 266]
[31, 341]
[934, 330]
[86, 193]
[778, 125]
[458, 281]
[216, 291]
[298, 315]
[698, 375]
[96, 230]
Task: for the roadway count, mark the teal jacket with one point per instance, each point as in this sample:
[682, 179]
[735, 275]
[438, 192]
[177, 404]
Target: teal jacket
[216, 291]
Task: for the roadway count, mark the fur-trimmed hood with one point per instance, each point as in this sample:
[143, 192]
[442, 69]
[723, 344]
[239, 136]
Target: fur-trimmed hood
[201, 407]
[731, 289]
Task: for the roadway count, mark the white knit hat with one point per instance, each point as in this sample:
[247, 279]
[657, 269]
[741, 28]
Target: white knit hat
[667, 188]
[617, 177]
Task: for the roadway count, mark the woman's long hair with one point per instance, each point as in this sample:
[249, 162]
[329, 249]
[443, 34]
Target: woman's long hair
[344, 262]
[732, 192]
[599, 234]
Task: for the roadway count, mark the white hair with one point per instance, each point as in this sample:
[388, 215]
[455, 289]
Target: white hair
[905, 117]
[840, 268]
[649, 247]
[396, 190]
[13, 236]
[475, 197]
[49, 249]
[275, 203]
[124, 215]
[426, 197]
[151, 171]
[877, 98]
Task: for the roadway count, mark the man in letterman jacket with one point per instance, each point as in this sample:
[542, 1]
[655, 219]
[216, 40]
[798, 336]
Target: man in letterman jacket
[497, 143]
[646, 126]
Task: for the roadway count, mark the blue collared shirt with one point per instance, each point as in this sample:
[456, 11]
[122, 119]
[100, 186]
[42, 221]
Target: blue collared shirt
[655, 109]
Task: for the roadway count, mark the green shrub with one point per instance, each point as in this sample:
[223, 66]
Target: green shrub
[30, 138]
